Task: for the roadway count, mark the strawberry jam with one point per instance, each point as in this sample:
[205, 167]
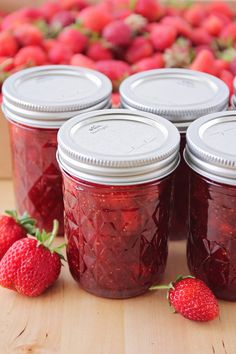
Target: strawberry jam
[211, 155]
[117, 235]
[117, 171]
[212, 236]
[36, 102]
[37, 177]
[181, 96]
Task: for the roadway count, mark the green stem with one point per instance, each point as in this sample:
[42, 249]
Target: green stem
[160, 287]
[53, 233]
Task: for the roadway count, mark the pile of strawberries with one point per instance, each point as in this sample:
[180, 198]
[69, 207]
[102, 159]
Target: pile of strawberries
[121, 37]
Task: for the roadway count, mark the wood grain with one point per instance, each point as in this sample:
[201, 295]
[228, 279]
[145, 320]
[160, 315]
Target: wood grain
[67, 320]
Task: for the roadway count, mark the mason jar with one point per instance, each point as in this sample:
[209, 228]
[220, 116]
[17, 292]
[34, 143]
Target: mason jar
[211, 156]
[36, 102]
[181, 96]
[117, 171]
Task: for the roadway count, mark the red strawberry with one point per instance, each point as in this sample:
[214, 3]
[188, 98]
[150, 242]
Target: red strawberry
[200, 37]
[118, 33]
[28, 34]
[62, 19]
[8, 44]
[30, 56]
[82, 60]
[74, 39]
[222, 65]
[213, 25]
[49, 44]
[49, 9]
[31, 265]
[13, 228]
[151, 9]
[31, 13]
[95, 18]
[116, 70]
[13, 20]
[73, 4]
[180, 24]
[228, 78]
[139, 49]
[229, 32]
[220, 7]
[98, 51]
[17, 18]
[154, 62]
[120, 9]
[195, 15]
[60, 54]
[162, 37]
[204, 61]
[192, 299]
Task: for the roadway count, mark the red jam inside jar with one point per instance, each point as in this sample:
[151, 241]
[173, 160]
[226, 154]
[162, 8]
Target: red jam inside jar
[212, 236]
[211, 247]
[36, 102]
[181, 96]
[36, 174]
[117, 176]
[117, 235]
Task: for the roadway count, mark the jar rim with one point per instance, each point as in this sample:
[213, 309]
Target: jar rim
[210, 147]
[51, 94]
[105, 147]
[188, 94]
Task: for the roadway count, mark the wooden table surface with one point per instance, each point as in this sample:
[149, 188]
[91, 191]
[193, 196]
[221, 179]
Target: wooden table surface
[67, 320]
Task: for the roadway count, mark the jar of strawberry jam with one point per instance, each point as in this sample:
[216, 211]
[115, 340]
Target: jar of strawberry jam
[211, 155]
[36, 102]
[117, 171]
[181, 96]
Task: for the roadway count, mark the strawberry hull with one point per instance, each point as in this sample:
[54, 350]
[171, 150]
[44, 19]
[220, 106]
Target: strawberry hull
[37, 178]
[117, 235]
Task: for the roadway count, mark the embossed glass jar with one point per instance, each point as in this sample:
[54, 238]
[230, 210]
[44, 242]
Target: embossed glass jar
[211, 155]
[117, 171]
[181, 96]
[36, 102]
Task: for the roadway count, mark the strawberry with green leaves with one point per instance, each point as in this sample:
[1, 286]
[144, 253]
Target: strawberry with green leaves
[191, 298]
[14, 228]
[32, 264]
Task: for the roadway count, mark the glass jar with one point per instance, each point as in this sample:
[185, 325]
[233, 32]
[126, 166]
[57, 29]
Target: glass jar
[117, 171]
[181, 96]
[211, 155]
[36, 102]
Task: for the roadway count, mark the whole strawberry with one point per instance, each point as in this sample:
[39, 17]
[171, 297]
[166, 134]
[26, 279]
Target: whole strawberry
[191, 298]
[14, 228]
[31, 265]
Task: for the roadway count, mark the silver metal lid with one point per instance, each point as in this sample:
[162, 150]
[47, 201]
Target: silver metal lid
[211, 147]
[46, 96]
[118, 147]
[180, 95]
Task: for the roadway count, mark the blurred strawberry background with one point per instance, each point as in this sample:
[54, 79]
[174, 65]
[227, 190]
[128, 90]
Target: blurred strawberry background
[116, 37]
